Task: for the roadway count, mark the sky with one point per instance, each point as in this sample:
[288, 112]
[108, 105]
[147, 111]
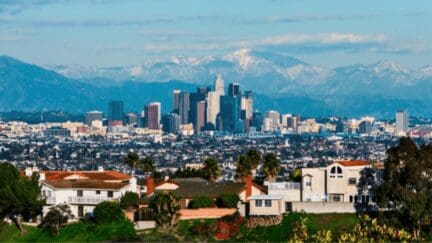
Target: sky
[330, 33]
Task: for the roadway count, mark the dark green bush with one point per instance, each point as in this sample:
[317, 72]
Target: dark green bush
[227, 200]
[201, 202]
[129, 201]
[108, 212]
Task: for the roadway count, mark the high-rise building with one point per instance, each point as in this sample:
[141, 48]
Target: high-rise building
[284, 119]
[219, 84]
[230, 112]
[213, 100]
[115, 110]
[293, 122]
[171, 123]
[365, 127]
[200, 116]
[247, 104]
[195, 98]
[275, 117]
[402, 121]
[153, 115]
[131, 119]
[184, 106]
[257, 120]
[93, 116]
[234, 89]
[176, 101]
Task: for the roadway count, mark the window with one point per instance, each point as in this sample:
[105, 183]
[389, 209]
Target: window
[351, 199]
[352, 181]
[97, 192]
[110, 193]
[308, 181]
[335, 197]
[79, 193]
[258, 203]
[336, 172]
[268, 203]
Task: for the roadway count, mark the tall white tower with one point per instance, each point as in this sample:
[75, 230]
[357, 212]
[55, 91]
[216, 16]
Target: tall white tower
[219, 84]
[402, 121]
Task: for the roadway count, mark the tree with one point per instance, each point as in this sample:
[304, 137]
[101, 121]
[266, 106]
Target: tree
[299, 231]
[56, 218]
[227, 200]
[406, 188]
[271, 166]
[166, 206]
[107, 212]
[254, 158]
[244, 168]
[19, 195]
[146, 165]
[296, 175]
[131, 159]
[129, 201]
[211, 169]
[201, 202]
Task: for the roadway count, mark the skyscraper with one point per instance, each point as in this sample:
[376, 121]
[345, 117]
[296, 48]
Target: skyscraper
[176, 101]
[93, 116]
[275, 118]
[115, 110]
[171, 123]
[213, 100]
[184, 106]
[195, 98]
[200, 116]
[230, 113]
[219, 84]
[402, 121]
[247, 104]
[153, 115]
[234, 89]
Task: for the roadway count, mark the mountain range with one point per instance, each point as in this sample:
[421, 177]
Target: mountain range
[280, 82]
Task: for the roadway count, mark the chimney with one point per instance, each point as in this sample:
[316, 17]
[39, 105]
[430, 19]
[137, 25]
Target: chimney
[150, 185]
[248, 187]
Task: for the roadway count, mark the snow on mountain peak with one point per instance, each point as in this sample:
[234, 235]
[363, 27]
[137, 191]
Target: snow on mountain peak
[242, 57]
[391, 66]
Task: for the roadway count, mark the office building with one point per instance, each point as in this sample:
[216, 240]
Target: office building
[131, 119]
[171, 123]
[230, 113]
[195, 98]
[247, 104]
[257, 120]
[219, 85]
[402, 121]
[93, 116]
[200, 120]
[275, 118]
[184, 106]
[176, 101]
[293, 123]
[115, 110]
[57, 131]
[153, 115]
[234, 89]
[365, 127]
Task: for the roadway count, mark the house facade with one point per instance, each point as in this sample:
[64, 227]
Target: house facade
[334, 188]
[82, 190]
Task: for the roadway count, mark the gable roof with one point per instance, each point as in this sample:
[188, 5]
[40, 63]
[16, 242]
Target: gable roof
[353, 162]
[95, 175]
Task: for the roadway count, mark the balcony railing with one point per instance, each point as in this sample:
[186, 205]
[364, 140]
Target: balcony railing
[88, 200]
[50, 200]
[284, 186]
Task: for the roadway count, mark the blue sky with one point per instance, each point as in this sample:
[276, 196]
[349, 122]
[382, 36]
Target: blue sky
[128, 32]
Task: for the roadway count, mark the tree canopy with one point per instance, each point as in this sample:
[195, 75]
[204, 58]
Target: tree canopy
[129, 201]
[211, 169]
[20, 195]
[406, 188]
[271, 166]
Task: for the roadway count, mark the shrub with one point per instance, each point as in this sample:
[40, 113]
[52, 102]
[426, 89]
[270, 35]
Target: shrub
[227, 200]
[201, 202]
[57, 217]
[129, 201]
[166, 206]
[108, 212]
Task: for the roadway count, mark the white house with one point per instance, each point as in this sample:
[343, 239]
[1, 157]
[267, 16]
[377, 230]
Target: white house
[82, 190]
[333, 188]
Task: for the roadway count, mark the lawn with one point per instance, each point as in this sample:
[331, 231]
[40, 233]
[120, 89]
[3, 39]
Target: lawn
[77, 232]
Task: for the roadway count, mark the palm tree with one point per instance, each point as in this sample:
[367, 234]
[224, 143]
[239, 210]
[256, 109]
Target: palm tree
[254, 157]
[166, 206]
[271, 166]
[244, 167]
[211, 169]
[147, 165]
[131, 159]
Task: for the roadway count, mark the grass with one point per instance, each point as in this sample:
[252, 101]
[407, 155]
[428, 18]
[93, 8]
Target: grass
[77, 232]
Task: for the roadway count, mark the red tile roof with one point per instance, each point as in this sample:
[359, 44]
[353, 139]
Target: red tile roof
[353, 162]
[96, 175]
[86, 184]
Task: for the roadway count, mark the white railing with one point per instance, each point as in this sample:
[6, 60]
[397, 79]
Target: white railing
[315, 197]
[88, 200]
[284, 186]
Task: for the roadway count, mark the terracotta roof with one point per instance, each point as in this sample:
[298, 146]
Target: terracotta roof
[85, 184]
[353, 162]
[205, 213]
[96, 175]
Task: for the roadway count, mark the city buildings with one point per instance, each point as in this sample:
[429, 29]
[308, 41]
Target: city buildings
[402, 122]
[153, 115]
[115, 110]
[93, 116]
